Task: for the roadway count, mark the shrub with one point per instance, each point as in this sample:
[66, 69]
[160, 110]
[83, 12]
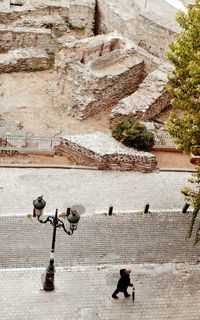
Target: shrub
[134, 134]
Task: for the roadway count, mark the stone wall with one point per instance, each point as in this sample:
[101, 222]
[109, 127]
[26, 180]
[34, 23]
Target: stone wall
[105, 152]
[79, 15]
[102, 69]
[12, 38]
[53, 22]
[148, 101]
[24, 59]
[108, 90]
[148, 30]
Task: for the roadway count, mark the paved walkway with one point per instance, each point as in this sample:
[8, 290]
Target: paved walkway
[99, 239]
[95, 189]
[163, 292]
[166, 266]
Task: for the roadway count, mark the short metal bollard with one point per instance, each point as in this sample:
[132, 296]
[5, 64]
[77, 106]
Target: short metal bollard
[185, 207]
[146, 208]
[110, 211]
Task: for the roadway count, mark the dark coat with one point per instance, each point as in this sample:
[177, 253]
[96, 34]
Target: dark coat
[124, 282]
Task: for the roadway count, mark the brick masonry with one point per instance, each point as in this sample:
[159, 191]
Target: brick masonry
[78, 14]
[148, 101]
[24, 59]
[21, 37]
[147, 29]
[101, 71]
[105, 153]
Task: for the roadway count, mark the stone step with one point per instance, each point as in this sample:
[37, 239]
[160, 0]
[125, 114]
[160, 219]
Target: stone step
[23, 37]
[54, 22]
[147, 102]
[29, 59]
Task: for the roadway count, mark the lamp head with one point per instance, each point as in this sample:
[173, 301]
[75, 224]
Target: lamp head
[39, 205]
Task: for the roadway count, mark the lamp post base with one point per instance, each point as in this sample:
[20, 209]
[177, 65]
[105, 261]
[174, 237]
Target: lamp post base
[49, 278]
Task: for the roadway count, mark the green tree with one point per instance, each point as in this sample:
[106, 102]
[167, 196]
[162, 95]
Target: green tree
[184, 82]
[184, 85]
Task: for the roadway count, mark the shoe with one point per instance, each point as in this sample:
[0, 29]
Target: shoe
[127, 295]
[115, 297]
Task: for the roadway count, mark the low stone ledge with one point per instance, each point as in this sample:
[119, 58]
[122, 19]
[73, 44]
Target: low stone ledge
[105, 152]
[22, 37]
[148, 101]
[24, 59]
[46, 21]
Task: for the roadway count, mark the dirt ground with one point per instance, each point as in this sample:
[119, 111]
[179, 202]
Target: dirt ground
[44, 115]
[173, 160]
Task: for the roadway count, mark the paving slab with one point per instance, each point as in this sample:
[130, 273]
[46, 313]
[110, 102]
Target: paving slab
[95, 189]
[99, 239]
[162, 292]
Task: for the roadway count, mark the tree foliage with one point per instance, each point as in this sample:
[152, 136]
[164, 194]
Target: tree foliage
[184, 82]
[134, 134]
[184, 86]
[192, 196]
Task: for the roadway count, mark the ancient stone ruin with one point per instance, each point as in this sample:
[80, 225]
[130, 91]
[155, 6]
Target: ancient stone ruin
[94, 55]
[148, 101]
[101, 71]
[105, 152]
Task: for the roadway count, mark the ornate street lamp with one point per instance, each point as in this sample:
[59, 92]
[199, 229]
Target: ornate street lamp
[73, 219]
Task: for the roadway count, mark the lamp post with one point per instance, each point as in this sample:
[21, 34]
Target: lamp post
[73, 219]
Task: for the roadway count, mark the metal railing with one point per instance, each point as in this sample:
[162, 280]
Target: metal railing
[21, 143]
[24, 143]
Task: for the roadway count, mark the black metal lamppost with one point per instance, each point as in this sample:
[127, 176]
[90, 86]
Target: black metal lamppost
[72, 217]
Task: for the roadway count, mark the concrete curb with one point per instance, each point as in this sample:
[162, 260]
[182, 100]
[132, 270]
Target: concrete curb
[103, 213]
[39, 166]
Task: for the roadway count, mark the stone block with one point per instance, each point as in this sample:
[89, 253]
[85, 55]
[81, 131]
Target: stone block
[146, 28]
[24, 59]
[21, 37]
[148, 101]
[106, 153]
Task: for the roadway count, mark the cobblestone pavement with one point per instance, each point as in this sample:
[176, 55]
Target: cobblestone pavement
[99, 239]
[95, 189]
[162, 292]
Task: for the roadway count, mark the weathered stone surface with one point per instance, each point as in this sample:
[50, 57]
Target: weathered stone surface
[24, 59]
[12, 38]
[17, 2]
[148, 101]
[149, 30]
[105, 152]
[78, 15]
[54, 22]
[101, 71]
[4, 5]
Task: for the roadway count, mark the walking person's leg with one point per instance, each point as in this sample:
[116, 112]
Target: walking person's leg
[114, 295]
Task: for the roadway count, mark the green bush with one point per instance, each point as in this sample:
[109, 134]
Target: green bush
[134, 134]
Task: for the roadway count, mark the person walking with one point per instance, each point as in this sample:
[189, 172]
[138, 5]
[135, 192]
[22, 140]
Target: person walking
[123, 283]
